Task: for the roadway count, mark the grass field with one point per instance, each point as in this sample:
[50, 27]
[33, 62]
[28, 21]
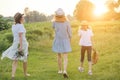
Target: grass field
[42, 62]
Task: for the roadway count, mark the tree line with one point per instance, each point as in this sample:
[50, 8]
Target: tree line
[35, 16]
[30, 16]
[85, 11]
[5, 23]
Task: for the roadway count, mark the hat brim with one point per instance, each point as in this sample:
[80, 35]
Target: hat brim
[84, 24]
[18, 16]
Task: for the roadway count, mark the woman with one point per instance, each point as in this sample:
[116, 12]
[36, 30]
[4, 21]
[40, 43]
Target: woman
[85, 34]
[61, 44]
[19, 48]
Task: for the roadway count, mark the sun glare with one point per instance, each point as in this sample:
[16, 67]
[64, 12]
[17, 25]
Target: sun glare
[42, 6]
[100, 10]
[100, 7]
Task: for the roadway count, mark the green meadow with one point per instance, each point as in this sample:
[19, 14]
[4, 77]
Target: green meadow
[42, 62]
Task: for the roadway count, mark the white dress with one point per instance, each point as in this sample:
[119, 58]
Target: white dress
[11, 51]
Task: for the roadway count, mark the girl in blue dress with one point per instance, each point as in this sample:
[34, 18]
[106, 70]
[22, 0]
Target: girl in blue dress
[61, 44]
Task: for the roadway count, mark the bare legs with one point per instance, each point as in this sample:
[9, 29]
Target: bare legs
[65, 58]
[65, 62]
[90, 66]
[14, 66]
[25, 69]
[60, 62]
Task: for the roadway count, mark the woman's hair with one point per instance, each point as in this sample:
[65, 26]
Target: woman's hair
[17, 17]
[59, 18]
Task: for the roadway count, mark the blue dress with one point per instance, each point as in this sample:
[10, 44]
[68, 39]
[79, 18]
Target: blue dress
[63, 34]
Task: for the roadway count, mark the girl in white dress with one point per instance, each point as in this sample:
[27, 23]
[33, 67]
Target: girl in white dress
[20, 44]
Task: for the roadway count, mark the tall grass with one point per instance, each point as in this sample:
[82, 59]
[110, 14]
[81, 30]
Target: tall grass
[42, 63]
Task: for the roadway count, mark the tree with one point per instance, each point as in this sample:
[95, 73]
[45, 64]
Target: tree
[4, 23]
[43, 17]
[113, 12]
[34, 16]
[50, 17]
[1, 16]
[26, 12]
[84, 10]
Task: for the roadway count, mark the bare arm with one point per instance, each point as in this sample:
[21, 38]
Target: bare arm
[20, 41]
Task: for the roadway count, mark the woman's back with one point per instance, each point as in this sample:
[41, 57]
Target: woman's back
[62, 30]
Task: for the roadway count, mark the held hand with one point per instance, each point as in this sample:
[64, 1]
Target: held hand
[20, 48]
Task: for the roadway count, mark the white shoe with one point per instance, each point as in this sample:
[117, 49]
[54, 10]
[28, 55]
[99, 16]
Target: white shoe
[27, 75]
[65, 72]
[60, 72]
[81, 69]
[90, 73]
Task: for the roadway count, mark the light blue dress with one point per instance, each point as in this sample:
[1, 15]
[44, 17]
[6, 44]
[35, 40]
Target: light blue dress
[63, 33]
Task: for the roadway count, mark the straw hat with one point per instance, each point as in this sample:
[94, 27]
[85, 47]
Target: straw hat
[84, 23]
[59, 12]
[59, 15]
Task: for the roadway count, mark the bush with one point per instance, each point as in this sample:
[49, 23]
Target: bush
[5, 41]
[4, 24]
[9, 37]
[4, 44]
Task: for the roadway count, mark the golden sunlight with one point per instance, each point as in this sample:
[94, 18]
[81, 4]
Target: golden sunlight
[100, 7]
[100, 10]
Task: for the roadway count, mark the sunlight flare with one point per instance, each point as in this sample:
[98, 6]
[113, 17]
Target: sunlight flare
[100, 7]
[100, 10]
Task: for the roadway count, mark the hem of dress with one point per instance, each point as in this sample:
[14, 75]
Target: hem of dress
[62, 52]
[14, 59]
[85, 45]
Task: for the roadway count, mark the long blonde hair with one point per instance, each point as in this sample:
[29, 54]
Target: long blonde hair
[59, 18]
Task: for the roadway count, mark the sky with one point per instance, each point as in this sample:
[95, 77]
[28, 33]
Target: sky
[10, 7]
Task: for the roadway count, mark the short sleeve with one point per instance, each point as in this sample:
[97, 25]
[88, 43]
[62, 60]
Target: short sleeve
[21, 29]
